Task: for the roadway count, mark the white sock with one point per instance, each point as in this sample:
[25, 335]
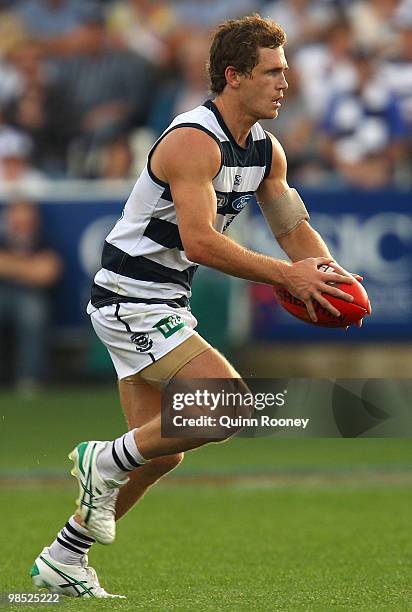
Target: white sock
[71, 544]
[120, 457]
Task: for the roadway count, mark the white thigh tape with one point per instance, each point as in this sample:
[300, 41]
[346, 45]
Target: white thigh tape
[285, 213]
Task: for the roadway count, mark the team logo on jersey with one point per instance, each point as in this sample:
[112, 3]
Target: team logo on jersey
[238, 180]
[241, 202]
[142, 341]
[221, 199]
[169, 325]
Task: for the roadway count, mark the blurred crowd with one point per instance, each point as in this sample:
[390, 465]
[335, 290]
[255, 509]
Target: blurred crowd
[87, 86]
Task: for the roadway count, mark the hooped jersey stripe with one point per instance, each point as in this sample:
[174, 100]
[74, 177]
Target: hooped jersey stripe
[143, 256]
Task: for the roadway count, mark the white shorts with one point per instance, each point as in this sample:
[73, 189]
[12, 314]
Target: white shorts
[137, 335]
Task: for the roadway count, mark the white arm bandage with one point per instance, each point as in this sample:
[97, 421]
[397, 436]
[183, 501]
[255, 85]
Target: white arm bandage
[285, 213]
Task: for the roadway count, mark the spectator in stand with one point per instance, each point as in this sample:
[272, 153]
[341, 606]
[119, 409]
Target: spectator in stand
[42, 110]
[28, 269]
[372, 24]
[205, 14]
[305, 21]
[11, 35]
[363, 129]
[326, 68]
[60, 27]
[17, 175]
[299, 136]
[145, 27]
[397, 69]
[90, 72]
[188, 89]
[110, 92]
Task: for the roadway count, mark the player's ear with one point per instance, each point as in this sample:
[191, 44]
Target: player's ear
[232, 77]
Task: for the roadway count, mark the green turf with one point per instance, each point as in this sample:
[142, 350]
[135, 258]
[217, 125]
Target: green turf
[70, 416]
[260, 524]
[236, 548]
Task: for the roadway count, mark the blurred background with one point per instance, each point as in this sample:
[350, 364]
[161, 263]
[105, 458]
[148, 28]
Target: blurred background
[86, 88]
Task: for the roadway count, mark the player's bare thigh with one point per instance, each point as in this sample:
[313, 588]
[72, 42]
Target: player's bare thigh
[208, 363]
[142, 401]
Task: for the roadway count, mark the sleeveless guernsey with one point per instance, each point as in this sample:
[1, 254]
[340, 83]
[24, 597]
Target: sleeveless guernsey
[143, 257]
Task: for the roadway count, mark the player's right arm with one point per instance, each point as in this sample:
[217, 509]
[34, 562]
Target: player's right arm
[188, 160]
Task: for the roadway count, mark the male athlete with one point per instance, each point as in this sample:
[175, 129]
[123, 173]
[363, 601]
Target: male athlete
[198, 176]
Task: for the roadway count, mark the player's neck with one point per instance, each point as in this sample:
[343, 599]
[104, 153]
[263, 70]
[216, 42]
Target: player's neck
[238, 122]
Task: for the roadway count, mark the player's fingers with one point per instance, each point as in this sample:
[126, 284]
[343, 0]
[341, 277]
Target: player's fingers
[326, 304]
[333, 277]
[333, 264]
[321, 261]
[337, 293]
[311, 310]
[359, 323]
[357, 276]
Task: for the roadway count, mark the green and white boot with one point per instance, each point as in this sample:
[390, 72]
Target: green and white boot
[69, 580]
[97, 498]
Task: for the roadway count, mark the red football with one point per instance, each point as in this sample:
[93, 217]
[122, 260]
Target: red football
[351, 312]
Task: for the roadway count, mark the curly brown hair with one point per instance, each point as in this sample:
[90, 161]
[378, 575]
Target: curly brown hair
[236, 43]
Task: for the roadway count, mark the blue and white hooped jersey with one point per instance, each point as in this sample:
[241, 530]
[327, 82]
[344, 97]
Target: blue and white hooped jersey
[143, 257]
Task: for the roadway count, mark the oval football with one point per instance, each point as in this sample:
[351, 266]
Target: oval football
[351, 312]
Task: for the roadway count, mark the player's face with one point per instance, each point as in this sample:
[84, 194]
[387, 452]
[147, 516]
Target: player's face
[263, 90]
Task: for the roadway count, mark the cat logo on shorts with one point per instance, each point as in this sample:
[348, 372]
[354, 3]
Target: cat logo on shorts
[142, 341]
[169, 325]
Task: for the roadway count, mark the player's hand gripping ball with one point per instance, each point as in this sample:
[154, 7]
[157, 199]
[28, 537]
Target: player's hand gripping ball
[351, 312]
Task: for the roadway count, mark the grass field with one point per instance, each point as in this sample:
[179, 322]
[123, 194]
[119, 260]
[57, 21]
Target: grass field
[258, 524]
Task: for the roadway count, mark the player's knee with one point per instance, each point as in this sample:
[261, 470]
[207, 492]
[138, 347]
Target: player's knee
[167, 463]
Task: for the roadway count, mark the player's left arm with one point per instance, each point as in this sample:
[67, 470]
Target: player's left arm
[287, 216]
[285, 212]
